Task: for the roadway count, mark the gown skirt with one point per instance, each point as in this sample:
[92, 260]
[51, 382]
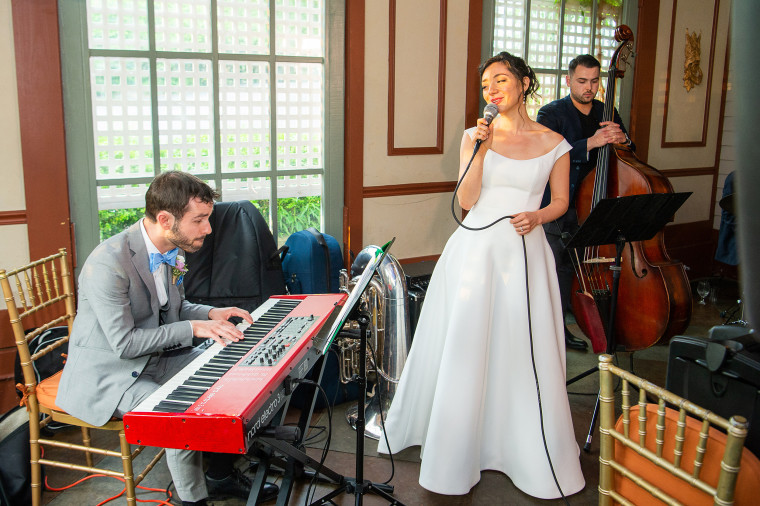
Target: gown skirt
[467, 394]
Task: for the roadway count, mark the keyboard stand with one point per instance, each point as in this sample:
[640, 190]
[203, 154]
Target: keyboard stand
[288, 455]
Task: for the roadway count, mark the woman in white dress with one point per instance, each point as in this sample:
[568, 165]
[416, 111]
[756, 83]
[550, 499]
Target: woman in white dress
[468, 392]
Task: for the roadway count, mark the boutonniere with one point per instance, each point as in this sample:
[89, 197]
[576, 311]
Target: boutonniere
[179, 269]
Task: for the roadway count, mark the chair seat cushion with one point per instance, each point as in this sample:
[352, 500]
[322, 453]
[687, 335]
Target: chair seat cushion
[47, 390]
[747, 486]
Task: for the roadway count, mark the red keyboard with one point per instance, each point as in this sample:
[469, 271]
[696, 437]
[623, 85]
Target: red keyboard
[222, 399]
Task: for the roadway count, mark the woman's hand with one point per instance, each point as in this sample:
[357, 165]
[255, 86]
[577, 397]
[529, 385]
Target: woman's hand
[525, 222]
[484, 133]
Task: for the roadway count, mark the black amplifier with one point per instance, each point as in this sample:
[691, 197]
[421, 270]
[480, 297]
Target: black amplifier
[729, 388]
[417, 279]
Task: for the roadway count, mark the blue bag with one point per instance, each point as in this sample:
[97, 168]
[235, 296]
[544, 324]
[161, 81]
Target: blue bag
[312, 262]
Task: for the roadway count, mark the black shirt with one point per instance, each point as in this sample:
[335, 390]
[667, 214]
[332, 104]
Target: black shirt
[589, 125]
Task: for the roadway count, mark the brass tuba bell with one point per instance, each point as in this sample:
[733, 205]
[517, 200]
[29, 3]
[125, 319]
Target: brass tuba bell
[387, 303]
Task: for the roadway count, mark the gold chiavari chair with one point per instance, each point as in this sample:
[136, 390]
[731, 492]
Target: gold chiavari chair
[680, 455]
[43, 295]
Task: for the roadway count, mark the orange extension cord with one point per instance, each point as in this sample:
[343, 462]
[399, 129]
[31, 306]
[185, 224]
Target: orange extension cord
[149, 489]
[158, 501]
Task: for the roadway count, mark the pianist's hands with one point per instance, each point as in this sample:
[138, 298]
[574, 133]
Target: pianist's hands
[218, 328]
[225, 313]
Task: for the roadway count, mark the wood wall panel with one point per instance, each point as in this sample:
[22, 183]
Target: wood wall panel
[694, 245]
[643, 76]
[353, 179]
[40, 98]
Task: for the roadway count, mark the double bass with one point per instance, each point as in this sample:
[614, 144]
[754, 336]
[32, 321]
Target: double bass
[654, 298]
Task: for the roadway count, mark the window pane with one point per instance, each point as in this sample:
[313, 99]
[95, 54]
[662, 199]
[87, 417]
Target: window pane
[610, 17]
[121, 117]
[117, 25]
[547, 92]
[256, 189]
[299, 27]
[544, 34]
[243, 26]
[244, 115]
[576, 36]
[509, 27]
[185, 115]
[300, 115]
[180, 127]
[299, 204]
[183, 25]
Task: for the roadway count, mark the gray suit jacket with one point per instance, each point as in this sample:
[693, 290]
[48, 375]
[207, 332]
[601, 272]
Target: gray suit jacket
[119, 324]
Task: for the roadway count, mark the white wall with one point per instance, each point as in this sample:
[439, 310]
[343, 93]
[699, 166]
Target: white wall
[421, 223]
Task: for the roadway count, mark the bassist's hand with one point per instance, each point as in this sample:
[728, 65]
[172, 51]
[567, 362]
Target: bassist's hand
[610, 133]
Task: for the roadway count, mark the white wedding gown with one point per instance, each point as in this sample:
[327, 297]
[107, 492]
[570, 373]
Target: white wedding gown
[467, 394]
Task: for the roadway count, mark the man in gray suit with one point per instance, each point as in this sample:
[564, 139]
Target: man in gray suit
[134, 329]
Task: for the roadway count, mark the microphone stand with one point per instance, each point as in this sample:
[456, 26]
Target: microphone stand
[358, 486]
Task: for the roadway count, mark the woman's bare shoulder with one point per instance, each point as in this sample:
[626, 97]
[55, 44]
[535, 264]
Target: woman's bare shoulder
[548, 138]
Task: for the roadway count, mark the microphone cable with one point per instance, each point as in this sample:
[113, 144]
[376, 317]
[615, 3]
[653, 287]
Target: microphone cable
[530, 325]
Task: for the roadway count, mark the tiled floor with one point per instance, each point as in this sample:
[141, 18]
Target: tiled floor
[494, 488]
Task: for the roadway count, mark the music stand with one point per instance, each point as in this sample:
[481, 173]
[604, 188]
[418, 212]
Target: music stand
[617, 221]
[358, 486]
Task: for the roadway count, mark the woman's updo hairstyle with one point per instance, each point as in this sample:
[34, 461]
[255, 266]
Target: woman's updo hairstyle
[517, 67]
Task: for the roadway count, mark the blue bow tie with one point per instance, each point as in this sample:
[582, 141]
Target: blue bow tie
[156, 259]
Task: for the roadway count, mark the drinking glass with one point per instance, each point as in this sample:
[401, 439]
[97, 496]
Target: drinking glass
[703, 290]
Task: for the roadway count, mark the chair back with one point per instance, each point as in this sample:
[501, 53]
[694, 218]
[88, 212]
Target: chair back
[238, 264]
[38, 295]
[677, 452]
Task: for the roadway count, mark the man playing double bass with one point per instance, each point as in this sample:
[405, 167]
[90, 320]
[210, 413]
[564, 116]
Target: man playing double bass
[578, 117]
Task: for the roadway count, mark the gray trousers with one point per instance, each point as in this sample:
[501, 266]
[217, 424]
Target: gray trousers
[185, 466]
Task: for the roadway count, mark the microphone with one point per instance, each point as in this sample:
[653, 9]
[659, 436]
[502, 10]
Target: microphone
[489, 113]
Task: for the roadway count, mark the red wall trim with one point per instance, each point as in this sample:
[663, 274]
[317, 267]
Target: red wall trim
[696, 171]
[474, 36]
[416, 150]
[12, 217]
[395, 190]
[353, 182]
[643, 76]
[40, 101]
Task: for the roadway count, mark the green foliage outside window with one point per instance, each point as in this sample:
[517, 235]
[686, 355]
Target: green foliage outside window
[294, 214]
[113, 221]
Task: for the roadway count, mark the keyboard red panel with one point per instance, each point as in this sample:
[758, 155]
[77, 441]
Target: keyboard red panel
[227, 416]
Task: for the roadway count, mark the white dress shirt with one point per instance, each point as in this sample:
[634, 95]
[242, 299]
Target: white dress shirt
[160, 274]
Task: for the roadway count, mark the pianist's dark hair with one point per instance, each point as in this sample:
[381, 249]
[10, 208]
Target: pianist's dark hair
[172, 191]
[517, 67]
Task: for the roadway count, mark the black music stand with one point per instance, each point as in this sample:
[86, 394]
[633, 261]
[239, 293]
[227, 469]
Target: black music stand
[617, 221]
[352, 310]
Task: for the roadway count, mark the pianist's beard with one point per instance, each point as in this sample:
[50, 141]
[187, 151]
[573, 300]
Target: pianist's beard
[183, 241]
